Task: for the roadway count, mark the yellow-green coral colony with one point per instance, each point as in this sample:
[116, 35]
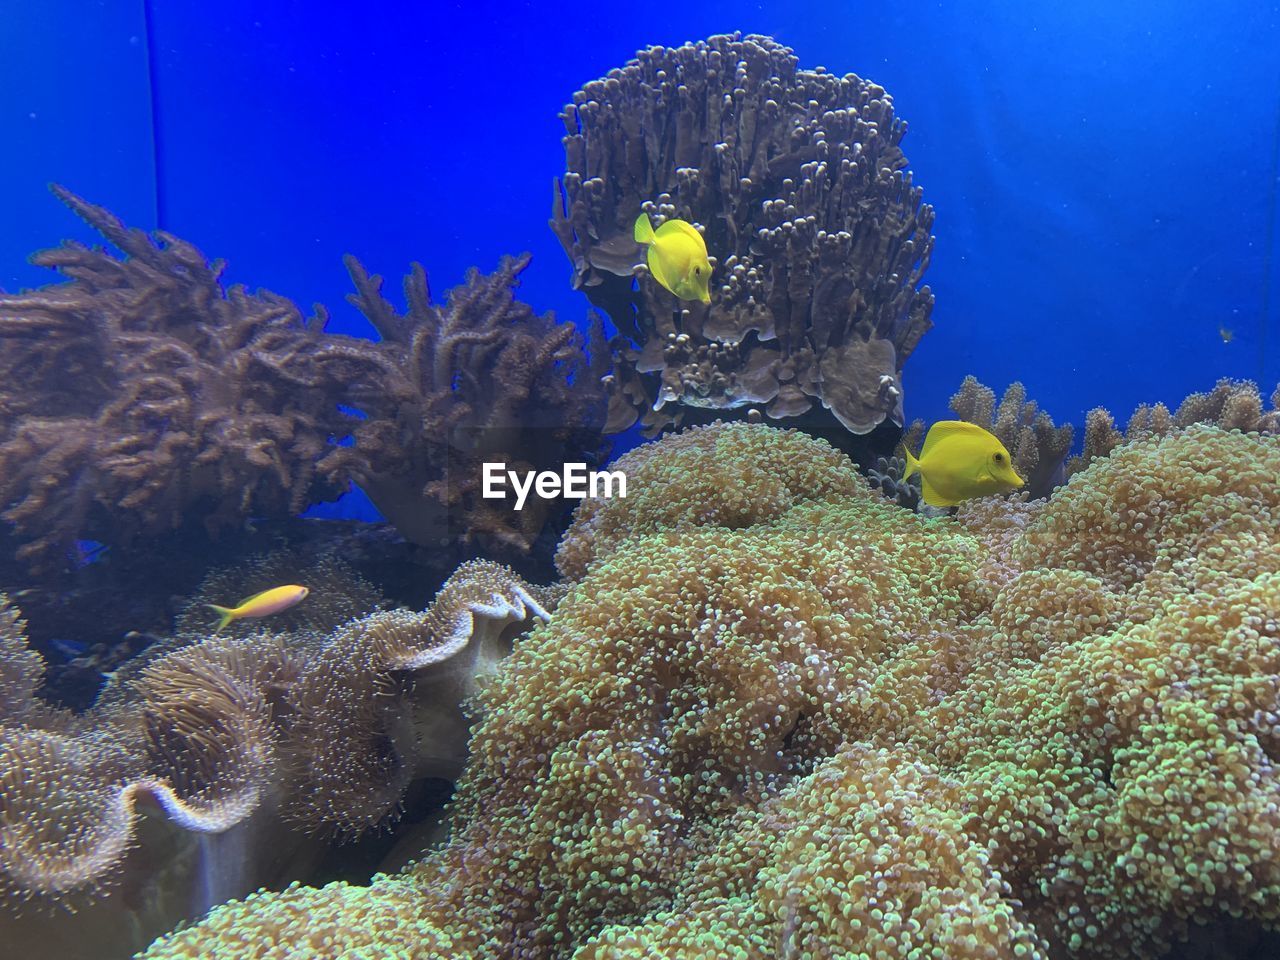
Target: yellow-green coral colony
[778, 716]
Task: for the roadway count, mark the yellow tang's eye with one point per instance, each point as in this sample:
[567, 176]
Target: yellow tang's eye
[999, 458]
[697, 271]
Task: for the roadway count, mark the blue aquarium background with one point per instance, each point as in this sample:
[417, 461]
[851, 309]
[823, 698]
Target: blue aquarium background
[1106, 183]
[1104, 174]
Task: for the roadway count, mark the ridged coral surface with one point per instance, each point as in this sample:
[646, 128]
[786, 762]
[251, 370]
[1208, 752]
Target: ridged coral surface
[837, 729]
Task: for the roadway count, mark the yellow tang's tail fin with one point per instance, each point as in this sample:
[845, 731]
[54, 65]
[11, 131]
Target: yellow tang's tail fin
[644, 229]
[913, 465]
[225, 613]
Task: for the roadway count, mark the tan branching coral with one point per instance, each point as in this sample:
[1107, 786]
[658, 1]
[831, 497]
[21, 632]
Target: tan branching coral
[1231, 404]
[481, 378]
[198, 406]
[1034, 730]
[191, 403]
[1038, 447]
[798, 183]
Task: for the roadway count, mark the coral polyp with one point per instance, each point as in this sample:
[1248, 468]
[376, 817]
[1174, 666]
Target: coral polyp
[833, 727]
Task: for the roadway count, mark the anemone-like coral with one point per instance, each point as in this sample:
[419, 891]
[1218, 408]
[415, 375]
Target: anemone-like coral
[835, 727]
[798, 183]
[481, 378]
[381, 704]
[238, 737]
[302, 922]
[721, 475]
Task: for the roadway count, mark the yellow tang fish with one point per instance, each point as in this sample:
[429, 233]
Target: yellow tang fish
[960, 461]
[677, 257]
[264, 604]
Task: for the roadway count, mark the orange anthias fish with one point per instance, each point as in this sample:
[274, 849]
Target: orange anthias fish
[264, 604]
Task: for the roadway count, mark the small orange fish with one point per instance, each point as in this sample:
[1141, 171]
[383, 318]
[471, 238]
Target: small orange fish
[1226, 333]
[264, 604]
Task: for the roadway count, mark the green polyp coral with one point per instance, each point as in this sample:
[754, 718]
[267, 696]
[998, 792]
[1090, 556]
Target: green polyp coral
[831, 728]
[338, 920]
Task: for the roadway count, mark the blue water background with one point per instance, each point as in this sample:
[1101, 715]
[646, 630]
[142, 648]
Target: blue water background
[1104, 173]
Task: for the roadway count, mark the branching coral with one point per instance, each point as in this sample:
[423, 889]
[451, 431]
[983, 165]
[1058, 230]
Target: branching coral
[482, 378]
[191, 402]
[1231, 404]
[1035, 729]
[885, 475]
[1038, 447]
[798, 183]
[194, 404]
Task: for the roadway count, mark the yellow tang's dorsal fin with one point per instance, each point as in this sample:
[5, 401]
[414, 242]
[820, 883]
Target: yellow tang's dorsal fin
[673, 227]
[643, 231]
[950, 428]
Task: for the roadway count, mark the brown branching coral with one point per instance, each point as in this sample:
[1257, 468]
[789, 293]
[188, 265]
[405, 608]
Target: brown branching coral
[198, 406]
[191, 402]
[1038, 447]
[1231, 404]
[20, 667]
[1035, 730]
[482, 378]
[798, 183]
